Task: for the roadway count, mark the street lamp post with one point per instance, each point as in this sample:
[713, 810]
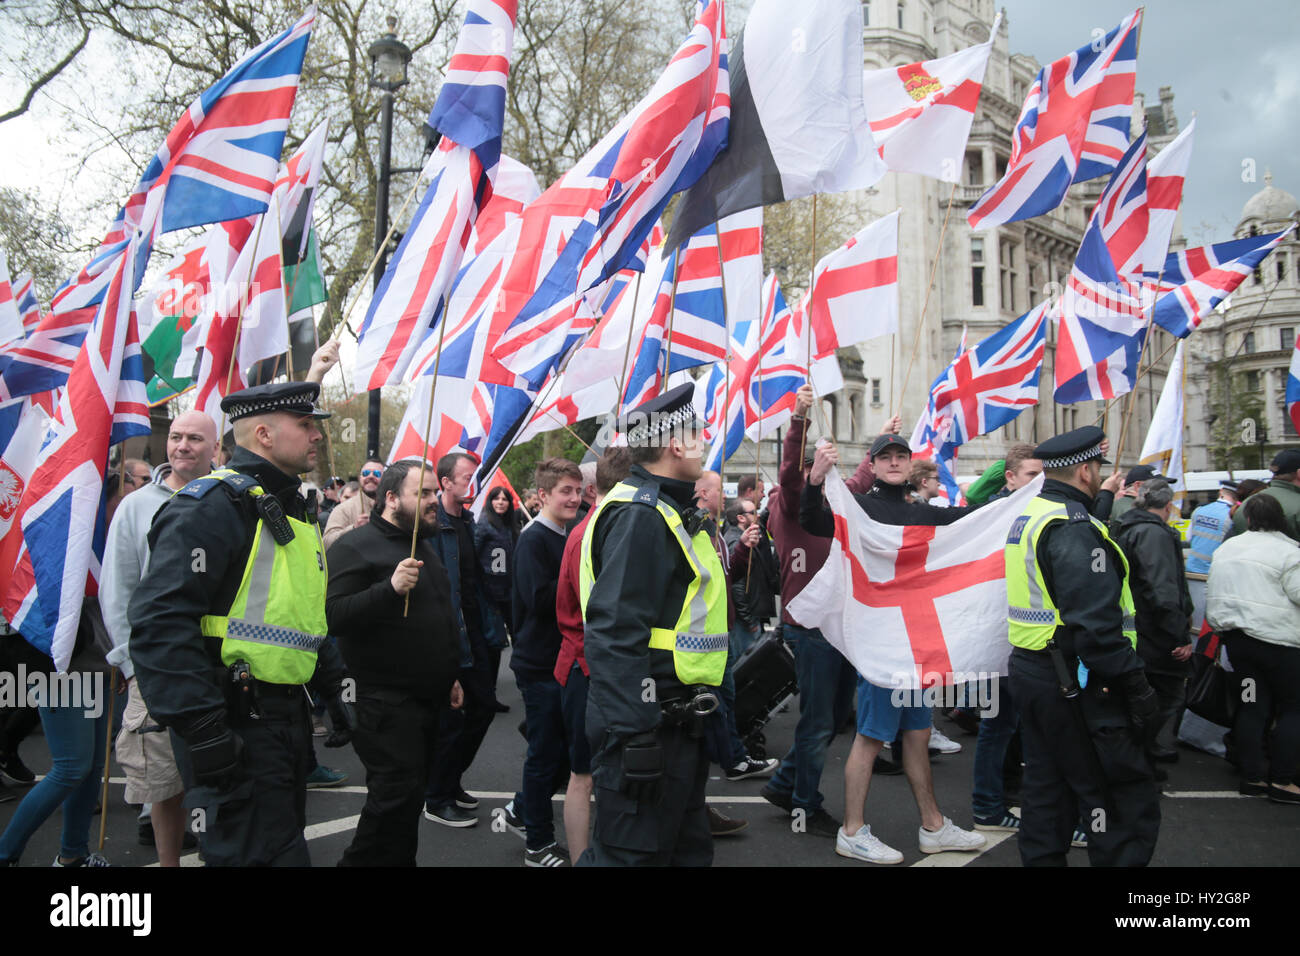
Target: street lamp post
[389, 58]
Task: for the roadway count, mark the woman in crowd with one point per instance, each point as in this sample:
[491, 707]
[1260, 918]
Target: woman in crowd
[494, 540]
[1253, 601]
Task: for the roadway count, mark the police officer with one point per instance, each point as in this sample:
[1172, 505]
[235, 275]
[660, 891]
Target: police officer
[1209, 526]
[1085, 704]
[228, 624]
[654, 599]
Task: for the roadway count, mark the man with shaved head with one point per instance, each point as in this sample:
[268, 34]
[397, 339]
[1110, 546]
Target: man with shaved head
[143, 748]
[228, 625]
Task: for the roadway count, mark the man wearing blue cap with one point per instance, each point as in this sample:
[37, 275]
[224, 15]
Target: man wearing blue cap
[228, 625]
[1086, 707]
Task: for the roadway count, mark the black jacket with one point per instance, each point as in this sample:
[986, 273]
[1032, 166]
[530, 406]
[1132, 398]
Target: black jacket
[641, 578]
[883, 502]
[1086, 590]
[534, 626]
[199, 547]
[417, 653]
[753, 589]
[494, 540]
[1158, 581]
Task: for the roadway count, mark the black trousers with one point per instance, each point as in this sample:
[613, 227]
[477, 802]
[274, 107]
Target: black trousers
[1272, 695]
[674, 831]
[395, 739]
[1101, 776]
[259, 821]
[1171, 695]
[461, 732]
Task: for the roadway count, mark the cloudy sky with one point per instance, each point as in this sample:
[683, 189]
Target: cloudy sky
[1236, 66]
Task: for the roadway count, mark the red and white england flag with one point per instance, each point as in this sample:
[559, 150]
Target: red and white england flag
[855, 289]
[913, 606]
[921, 113]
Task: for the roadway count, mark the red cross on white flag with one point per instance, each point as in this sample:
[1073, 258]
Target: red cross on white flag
[914, 606]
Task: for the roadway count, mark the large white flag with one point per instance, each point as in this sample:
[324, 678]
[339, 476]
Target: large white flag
[914, 606]
[1164, 445]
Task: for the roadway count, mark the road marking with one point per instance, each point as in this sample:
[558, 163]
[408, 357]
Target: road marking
[1206, 794]
[954, 858]
[313, 832]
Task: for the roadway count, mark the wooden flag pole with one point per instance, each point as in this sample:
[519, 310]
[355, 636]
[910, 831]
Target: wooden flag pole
[925, 306]
[343, 323]
[627, 348]
[239, 328]
[424, 456]
[726, 371]
[758, 440]
[807, 321]
[108, 748]
[1132, 402]
[672, 312]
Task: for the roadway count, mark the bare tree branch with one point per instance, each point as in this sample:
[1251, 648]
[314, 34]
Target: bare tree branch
[46, 77]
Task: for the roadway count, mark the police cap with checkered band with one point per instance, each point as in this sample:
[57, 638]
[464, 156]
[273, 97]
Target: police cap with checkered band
[1072, 448]
[295, 398]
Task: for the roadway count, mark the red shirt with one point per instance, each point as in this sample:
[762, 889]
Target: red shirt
[568, 605]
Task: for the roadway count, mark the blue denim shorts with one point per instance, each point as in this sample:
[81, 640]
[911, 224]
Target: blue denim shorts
[880, 719]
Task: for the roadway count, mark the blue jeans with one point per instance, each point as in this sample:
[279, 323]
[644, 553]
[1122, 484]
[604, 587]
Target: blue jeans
[76, 745]
[547, 755]
[739, 640]
[995, 734]
[821, 671]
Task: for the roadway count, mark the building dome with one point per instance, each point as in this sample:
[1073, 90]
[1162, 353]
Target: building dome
[1270, 204]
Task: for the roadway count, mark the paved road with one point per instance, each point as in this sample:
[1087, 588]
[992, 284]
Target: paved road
[1205, 822]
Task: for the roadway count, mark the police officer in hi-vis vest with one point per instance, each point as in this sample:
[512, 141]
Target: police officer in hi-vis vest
[228, 624]
[654, 601]
[1085, 704]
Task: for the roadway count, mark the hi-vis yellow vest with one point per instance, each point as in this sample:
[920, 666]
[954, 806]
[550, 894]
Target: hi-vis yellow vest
[1032, 617]
[699, 641]
[277, 621]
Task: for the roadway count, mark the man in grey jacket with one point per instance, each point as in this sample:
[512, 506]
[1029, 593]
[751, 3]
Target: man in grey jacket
[143, 748]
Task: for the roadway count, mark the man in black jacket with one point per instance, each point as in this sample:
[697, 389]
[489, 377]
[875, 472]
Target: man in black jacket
[1158, 582]
[404, 657]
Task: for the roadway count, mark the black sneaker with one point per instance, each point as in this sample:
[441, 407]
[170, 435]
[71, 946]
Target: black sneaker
[450, 815]
[1008, 822]
[553, 855]
[145, 835]
[514, 822]
[885, 766]
[465, 801]
[821, 823]
[777, 798]
[722, 825]
[14, 770]
[91, 860]
[750, 767]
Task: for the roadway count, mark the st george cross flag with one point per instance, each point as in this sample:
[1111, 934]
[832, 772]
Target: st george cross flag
[1195, 280]
[798, 124]
[1163, 447]
[469, 112]
[854, 293]
[912, 606]
[921, 114]
[1166, 174]
[1293, 387]
[1073, 127]
[61, 515]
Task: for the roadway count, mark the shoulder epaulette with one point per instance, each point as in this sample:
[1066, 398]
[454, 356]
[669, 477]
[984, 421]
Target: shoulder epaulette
[647, 494]
[237, 482]
[1076, 511]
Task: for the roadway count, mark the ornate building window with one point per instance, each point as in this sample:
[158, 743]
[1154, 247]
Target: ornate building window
[1286, 338]
[875, 391]
[901, 5]
[976, 271]
[1248, 346]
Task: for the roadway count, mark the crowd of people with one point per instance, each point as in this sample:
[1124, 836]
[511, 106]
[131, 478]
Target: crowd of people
[240, 611]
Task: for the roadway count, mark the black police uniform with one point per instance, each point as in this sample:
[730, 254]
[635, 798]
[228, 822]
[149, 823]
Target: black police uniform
[253, 814]
[1084, 758]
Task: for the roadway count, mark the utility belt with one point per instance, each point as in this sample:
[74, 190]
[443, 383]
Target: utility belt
[1039, 664]
[250, 698]
[692, 709]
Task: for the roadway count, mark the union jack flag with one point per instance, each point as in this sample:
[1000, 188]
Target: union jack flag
[219, 161]
[1101, 311]
[1194, 281]
[470, 113]
[56, 540]
[1073, 127]
[11, 322]
[29, 309]
[41, 362]
[1166, 174]
[1293, 387]
[592, 222]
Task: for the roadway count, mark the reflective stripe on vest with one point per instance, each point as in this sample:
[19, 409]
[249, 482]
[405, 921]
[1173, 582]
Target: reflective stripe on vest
[699, 641]
[1032, 615]
[277, 620]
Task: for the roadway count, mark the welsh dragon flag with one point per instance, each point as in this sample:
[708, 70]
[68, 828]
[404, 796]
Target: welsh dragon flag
[914, 606]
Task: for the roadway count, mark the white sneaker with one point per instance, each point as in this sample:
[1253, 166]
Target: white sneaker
[942, 743]
[950, 837]
[863, 846]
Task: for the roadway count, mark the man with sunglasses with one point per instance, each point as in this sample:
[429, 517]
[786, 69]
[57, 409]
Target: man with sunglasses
[355, 512]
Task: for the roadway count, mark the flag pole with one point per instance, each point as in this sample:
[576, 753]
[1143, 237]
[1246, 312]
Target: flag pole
[672, 311]
[343, 323]
[627, 348]
[925, 305]
[758, 440]
[108, 743]
[807, 321]
[424, 456]
[1146, 339]
[288, 300]
[726, 332]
